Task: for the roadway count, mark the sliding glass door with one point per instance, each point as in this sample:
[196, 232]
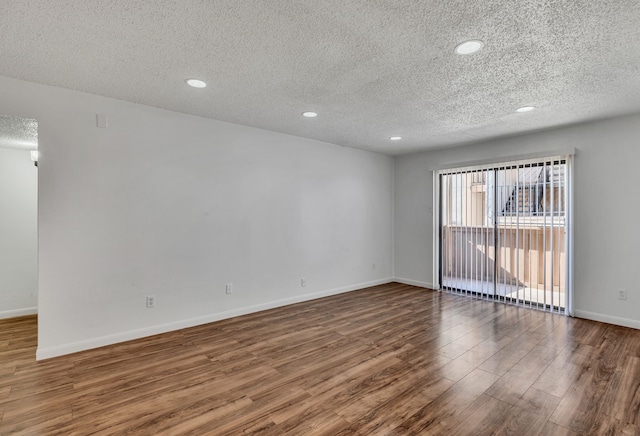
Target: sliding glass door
[503, 232]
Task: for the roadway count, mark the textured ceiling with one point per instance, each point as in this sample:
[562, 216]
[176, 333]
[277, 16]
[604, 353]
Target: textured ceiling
[18, 132]
[370, 68]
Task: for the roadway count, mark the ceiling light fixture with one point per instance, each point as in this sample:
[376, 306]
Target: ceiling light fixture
[196, 83]
[395, 138]
[309, 114]
[469, 47]
[525, 109]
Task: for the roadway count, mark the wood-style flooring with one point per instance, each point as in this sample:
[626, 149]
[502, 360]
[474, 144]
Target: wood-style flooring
[387, 360]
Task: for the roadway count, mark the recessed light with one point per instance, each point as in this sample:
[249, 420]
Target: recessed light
[525, 109]
[395, 138]
[196, 83]
[468, 47]
[309, 114]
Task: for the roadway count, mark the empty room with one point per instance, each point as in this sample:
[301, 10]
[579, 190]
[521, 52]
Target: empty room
[319, 218]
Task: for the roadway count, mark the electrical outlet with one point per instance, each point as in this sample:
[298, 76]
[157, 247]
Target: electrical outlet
[151, 301]
[303, 282]
[229, 288]
[622, 294]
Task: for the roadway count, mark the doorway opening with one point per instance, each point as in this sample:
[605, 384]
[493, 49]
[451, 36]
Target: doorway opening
[19, 217]
[504, 233]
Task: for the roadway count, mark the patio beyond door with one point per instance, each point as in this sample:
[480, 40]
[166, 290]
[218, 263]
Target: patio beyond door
[503, 233]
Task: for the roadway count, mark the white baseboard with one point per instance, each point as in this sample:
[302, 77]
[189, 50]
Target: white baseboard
[59, 350]
[18, 312]
[634, 324]
[414, 282]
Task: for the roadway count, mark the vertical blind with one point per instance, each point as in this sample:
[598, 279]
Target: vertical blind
[503, 233]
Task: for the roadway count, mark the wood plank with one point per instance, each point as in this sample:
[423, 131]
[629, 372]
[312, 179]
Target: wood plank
[479, 418]
[529, 415]
[551, 429]
[557, 380]
[622, 400]
[612, 426]
[389, 415]
[433, 417]
[507, 357]
[391, 359]
[515, 382]
[582, 405]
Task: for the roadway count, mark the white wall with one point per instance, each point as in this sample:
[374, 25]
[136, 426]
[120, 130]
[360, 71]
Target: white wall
[177, 206]
[607, 210]
[18, 233]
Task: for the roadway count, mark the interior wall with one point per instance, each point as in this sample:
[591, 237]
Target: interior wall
[177, 206]
[18, 233]
[606, 235]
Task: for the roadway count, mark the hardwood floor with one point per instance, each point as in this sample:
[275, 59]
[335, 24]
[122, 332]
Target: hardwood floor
[388, 360]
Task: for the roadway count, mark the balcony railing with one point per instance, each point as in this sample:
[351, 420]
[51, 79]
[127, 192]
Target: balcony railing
[527, 264]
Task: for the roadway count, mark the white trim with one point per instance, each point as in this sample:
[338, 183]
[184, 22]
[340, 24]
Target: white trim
[632, 323]
[393, 219]
[436, 230]
[569, 151]
[18, 312]
[569, 207]
[414, 283]
[74, 347]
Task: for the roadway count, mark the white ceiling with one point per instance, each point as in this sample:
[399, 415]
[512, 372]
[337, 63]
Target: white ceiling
[16, 132]
[370, 68]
